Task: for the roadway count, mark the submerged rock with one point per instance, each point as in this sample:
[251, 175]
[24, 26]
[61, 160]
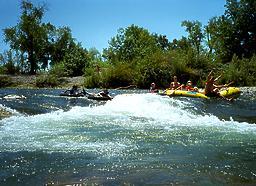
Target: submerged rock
[14, 96]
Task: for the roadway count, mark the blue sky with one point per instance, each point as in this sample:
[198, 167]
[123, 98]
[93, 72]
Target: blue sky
[94, 22]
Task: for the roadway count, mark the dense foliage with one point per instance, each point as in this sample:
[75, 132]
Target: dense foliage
[5, 81]
[42, 45]
[227, 44]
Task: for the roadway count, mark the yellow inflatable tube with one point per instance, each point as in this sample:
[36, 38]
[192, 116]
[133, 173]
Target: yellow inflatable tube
[185, 93]
[229, 92]
[233, 92]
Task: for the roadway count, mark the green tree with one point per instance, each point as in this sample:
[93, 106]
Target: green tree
[61, 43]
[76, 60]
[162, 42]
[181, 44]
[95, 58]
[235, 31]
[210, 34]
[130, 44]
[29, 36]
[10, 62]
[242, 15]
[196, 36]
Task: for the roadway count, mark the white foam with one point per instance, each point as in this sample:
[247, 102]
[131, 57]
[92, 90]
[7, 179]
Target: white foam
[78, 128]
[9, 110]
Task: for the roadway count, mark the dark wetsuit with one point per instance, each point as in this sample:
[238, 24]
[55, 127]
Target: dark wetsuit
[153, 90]
[209, 87]
[211, 94]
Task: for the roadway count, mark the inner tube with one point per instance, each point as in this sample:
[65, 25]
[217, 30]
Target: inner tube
[184, 93]
[231, 92]
[99, 98]
[67, 94]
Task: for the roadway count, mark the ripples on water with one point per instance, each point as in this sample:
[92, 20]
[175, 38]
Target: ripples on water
[137, 138]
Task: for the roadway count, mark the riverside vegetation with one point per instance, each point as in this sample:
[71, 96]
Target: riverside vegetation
[134, 56]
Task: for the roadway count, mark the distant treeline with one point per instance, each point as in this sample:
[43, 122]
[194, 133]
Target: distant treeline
[227, 45]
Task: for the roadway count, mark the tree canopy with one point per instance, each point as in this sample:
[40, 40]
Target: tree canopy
[42, 44]
[134, 55]
[130, 44]
[235, 31]
[29, 36]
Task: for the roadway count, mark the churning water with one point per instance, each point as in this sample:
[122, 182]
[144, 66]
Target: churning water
[137, 138]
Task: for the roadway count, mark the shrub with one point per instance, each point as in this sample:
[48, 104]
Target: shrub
[92, 81]
[47, 81]
[5, 81]
[154, 68]
[10, 68]
[241, 71]
[58, 70]
[117, 76]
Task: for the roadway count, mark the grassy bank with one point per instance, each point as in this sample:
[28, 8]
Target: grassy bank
[39, 81]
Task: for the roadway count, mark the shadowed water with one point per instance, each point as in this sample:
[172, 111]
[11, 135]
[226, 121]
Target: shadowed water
[137, 138]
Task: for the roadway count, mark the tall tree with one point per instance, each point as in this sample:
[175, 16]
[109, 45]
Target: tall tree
[181, 44]
[210, 30]
[129, 44]
[29, 36]
[194, 29]
[235, 31]
[76, 60]
[162, 42]
[61, 43]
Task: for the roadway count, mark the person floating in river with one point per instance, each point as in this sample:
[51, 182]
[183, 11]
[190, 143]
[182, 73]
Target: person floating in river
[189, 87]
[212, 89]
[103, 93]
[74, 90]
[153, 88]
[175, 84]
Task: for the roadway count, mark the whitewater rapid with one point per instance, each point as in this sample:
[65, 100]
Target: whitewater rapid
[108, 128]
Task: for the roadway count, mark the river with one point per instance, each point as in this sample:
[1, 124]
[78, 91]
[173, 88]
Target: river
[137, 138]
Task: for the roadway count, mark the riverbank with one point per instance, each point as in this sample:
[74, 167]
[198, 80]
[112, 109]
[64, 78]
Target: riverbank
[29, 81]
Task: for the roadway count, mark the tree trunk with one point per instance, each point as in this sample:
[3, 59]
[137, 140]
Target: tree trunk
[31, 60]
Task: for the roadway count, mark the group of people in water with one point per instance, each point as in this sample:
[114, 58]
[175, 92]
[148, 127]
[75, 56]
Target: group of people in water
[211, 89]
[75, 91]
[175, 85]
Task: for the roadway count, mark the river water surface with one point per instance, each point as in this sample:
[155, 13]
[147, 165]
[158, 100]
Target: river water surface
[135, 139]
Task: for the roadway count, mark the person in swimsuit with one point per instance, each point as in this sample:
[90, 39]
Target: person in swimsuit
[175, 84]
[153, 88]
[189, 87]
[212, 89]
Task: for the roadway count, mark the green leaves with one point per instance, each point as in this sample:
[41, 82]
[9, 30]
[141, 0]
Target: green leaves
[29, 36]
[134, 55]
[75, 60]
[41, 43]
[194, 28]
[235, 31]
[130, 44]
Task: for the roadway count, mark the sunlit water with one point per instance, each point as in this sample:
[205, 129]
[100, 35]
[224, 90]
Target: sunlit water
[136, 139]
